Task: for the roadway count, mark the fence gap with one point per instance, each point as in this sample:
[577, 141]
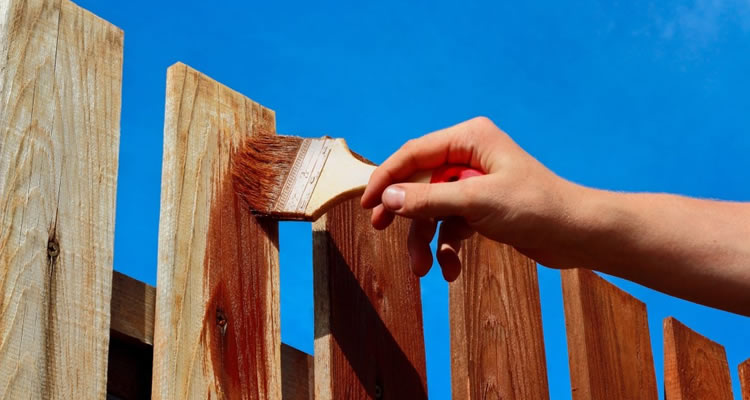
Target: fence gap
[297, 320]
[297, 368]
[297, 374]
[131, 338]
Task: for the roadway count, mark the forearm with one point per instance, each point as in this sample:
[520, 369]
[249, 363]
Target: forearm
[695, 249]
[698, 250]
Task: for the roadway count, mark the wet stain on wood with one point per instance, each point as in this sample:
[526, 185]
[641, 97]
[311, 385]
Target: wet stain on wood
[216, 328]
[236, 321]
[368, 309]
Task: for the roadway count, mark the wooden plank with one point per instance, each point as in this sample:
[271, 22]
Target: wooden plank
[461, 383]
[132, 308]
[694, 366]
[60, 80]
[745, 379]
[131, 353]
[368, 314]
[297, 374]
[216, 333]
[129, 368]
[497, 344]
[609, 346]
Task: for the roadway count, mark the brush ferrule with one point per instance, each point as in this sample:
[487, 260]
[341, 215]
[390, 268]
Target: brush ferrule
[303, 176]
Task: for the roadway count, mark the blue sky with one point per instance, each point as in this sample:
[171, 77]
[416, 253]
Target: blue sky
[623, 95]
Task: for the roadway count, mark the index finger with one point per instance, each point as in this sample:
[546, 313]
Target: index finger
[453, 145]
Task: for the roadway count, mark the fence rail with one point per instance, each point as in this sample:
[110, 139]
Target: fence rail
[70, 327]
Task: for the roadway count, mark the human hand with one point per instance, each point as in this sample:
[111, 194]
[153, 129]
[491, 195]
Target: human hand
[518, 201]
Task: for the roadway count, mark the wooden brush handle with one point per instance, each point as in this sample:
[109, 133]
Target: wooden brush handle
[345, 176]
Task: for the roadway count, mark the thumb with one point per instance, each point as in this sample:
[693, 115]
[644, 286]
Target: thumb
[423, 200]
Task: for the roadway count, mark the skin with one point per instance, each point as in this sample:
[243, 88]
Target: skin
[695, 249]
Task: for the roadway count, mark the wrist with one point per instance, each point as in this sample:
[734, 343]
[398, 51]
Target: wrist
[595, 222]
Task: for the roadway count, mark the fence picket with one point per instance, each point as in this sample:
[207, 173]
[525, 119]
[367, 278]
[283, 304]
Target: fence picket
[131, 351]
[609, 347]
[694, 366]
[745, 379]
[368, 314]
[496, 322]
[70, 327]
[60, 80]
[216, 332]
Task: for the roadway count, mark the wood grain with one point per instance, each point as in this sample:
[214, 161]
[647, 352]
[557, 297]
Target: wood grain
[297, 374]
[131, 353]
[216, 332]
[129, 368]
[60, 80]
[609, 345]
[368, 314]
[132, 308]
[744, 370]
[497, 344]
[694, 366]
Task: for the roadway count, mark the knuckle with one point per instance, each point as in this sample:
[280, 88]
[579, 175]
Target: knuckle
[484, 128]
[410, 145]
[482, 123]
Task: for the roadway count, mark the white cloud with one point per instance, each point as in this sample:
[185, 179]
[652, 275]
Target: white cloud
[702, 21]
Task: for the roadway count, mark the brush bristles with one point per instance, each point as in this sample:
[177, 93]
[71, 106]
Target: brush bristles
[261, 167]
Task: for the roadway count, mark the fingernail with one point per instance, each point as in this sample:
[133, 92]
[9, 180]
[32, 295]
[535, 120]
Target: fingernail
[393, 198]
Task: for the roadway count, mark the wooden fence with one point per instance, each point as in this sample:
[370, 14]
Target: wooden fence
[71, 328]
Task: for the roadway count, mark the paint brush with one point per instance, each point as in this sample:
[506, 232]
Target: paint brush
[294, 178]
